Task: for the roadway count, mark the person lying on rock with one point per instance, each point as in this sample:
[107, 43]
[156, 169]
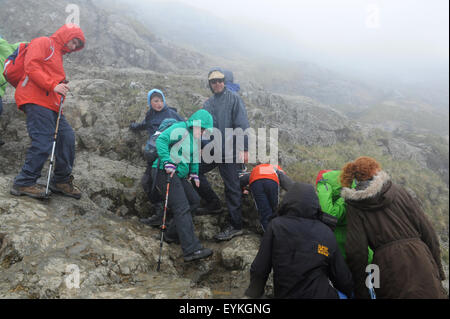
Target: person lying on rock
[264, 183]
[38, 95]
[178, 151]
[158, 112]
[302, 251]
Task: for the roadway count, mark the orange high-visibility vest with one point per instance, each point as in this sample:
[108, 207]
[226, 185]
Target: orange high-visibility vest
[265, 171]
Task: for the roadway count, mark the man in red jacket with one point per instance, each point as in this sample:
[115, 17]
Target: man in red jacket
[39, 95]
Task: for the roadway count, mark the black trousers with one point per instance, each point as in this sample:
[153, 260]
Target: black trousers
[233, 194]
[182, 200]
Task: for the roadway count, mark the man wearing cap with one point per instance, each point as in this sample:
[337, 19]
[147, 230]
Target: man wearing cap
[228, 111]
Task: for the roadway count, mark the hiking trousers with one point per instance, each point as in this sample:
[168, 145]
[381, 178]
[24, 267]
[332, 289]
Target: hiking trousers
[41, 125]
[1, 106]
[233, 194]
[182, 200]
[265, 194]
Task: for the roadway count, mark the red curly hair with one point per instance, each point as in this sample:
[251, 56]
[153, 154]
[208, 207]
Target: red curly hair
[362, 169]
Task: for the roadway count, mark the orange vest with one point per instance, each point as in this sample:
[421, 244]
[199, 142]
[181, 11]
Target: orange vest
[265, 171]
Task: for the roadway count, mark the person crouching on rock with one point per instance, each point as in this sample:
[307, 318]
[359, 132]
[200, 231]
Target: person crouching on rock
[39, 96]
[302, 251]
[264, 182]
[159, 111]
[178, 152]
[385, 217]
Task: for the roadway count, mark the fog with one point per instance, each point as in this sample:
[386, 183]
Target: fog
[405, 40]
[396, 37]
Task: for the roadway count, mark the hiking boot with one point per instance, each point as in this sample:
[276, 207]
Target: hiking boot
[229, 233]
[156, 219]
[198, 254]
[211, 208]
[67, 189]
[34, 191]
[1, 142]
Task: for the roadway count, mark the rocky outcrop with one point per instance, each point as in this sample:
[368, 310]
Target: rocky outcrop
[42, 244]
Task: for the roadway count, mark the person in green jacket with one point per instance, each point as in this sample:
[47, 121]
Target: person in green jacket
[6, 49]
[330, 200]
[178, 152]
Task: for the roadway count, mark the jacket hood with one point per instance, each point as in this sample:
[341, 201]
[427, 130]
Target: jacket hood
[333, 179]
[66, 33]
[202, 117]
[150, 93]
[228, 76]
[375, 196]
[211, 71]
[300, 201]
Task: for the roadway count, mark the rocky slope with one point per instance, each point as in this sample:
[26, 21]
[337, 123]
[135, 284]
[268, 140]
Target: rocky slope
[101, 234]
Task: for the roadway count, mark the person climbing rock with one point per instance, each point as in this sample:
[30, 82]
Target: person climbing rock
[158, 112]
[264, 182]
[38, 95]
[182, 167]
[385, 217]
[328, 184]
[302, 251]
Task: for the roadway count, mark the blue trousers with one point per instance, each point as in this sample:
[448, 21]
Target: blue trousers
[41, 125]
[1, 105]
[265, 193]
[233, 194]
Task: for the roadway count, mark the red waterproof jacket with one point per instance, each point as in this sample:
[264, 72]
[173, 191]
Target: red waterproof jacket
[267, 171]
[44, 68]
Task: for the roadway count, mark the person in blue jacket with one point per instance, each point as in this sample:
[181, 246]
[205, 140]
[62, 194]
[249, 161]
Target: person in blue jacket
[158, 112]
[228, 111]
[229, 82]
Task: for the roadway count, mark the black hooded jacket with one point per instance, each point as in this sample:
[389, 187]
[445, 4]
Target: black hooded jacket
[302, 251]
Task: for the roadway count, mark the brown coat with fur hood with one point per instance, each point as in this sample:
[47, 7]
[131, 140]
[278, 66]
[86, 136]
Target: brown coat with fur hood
[386, 218]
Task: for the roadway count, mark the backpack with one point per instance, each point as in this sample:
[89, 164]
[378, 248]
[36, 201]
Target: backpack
[150, 152]
[14, 69]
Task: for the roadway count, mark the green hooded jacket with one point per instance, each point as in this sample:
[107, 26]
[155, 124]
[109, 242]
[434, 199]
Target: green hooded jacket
[6, 50]
[176, 145]
[329, 194]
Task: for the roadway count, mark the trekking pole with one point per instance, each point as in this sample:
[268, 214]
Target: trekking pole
[163, 226]
[371, 289]
[52, 158]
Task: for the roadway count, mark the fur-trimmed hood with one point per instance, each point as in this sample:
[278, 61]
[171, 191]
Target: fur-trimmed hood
[374, 196]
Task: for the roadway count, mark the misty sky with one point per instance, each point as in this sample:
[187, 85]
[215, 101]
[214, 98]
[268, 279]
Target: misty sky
[370, 36]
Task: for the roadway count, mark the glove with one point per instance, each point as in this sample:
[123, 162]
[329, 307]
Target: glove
[195, 178]
[170, 168]
[134, 126]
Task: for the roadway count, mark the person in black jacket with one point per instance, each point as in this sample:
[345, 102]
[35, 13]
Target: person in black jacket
[302, 251]
[158, 112]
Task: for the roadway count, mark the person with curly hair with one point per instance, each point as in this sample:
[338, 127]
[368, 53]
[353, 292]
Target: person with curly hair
[385, 217]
